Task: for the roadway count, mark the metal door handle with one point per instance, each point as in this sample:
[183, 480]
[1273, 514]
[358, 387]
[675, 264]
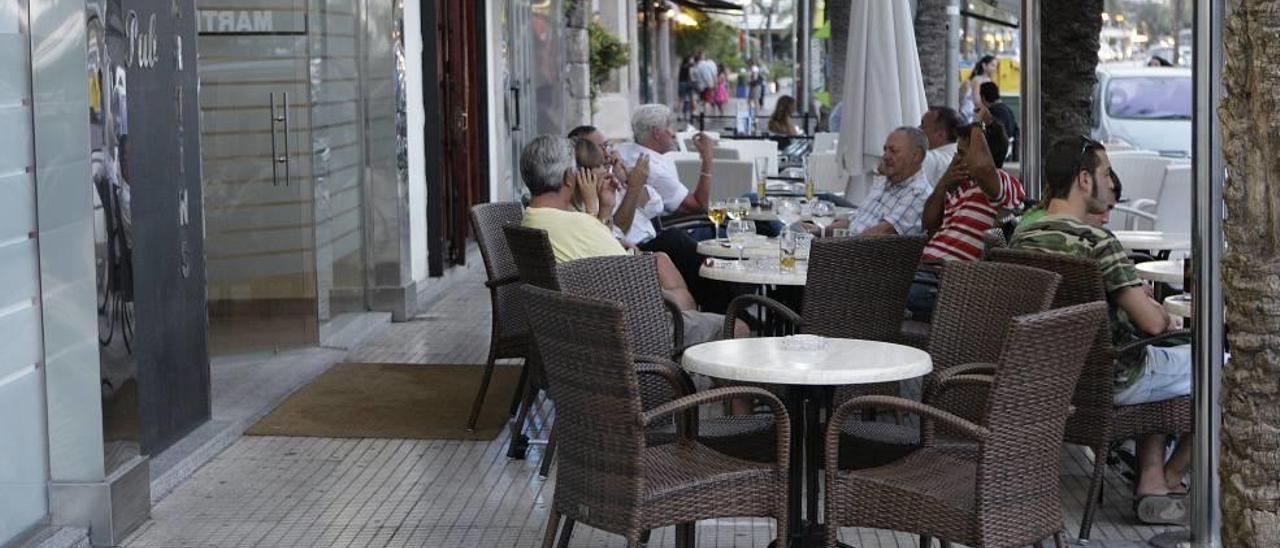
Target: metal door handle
[284, 106]
[516, 90]
[275, 159]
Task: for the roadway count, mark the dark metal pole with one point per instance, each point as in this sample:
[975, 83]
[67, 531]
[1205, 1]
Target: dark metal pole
[1029, 24]
[804, 35]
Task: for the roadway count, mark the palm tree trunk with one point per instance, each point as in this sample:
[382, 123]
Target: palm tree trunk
[1251, 267]
[1069, 59]
[931, 42]
[838, 46]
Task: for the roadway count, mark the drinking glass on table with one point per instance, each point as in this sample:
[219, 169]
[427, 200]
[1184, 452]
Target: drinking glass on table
[739, 231]
[787, 250]
[788, 212]
[716, 212]
[738, 208]
[824, 213]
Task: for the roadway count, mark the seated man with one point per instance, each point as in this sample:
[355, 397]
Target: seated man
[962, 207]
[654, 136]
[1076, 172]
[942, 126]
[1098, 220]
[897, 196]
[548, 170]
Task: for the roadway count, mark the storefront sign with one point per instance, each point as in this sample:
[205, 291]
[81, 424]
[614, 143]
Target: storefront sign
[252, 22]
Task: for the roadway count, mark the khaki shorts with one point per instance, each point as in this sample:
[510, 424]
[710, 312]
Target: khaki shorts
[700, 327]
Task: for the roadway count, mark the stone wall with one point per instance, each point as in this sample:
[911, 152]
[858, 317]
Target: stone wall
[578, 61]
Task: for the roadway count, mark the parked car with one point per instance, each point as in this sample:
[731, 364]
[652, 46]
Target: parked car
[1145, 108]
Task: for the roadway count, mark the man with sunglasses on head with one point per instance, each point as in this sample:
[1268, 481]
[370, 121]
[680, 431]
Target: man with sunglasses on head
[1077, 175]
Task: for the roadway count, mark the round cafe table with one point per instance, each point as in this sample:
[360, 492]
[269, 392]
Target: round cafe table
[1152, 240]
[759, 247]
[729, 271]
[769, 215]
[1168, 272]
[808, 377]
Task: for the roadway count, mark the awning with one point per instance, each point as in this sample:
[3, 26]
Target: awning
[709, 5]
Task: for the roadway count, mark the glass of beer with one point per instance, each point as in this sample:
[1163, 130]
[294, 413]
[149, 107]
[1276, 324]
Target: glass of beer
[787, 251]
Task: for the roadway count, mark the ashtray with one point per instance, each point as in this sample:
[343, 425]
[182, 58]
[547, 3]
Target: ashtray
[804, 343]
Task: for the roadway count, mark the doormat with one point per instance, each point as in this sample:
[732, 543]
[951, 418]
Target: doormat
[379, 400]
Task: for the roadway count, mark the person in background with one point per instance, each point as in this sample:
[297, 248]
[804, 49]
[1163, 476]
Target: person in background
[757, 84]
[722, 90]
[686, 90]
[780, 122]
[990, 94]
[897, 196]
[964, 204]
[1076, 171]
[636, 203]
[1158, 61]
[942, 126]
[704, 77]
[969, 91]
[548, 171]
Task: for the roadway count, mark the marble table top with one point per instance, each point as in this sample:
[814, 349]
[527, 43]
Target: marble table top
[1178, 305]
[770, 215]
[759, 247]
[728, 271]
[831, 362]
[1152, 240]
[1169, 272]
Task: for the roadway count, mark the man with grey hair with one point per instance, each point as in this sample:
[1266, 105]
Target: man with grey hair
[654, 136]
[898, 194]
[548, 168]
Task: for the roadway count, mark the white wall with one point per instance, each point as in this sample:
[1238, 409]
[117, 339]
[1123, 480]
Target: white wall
[416, 140]
[499, 141]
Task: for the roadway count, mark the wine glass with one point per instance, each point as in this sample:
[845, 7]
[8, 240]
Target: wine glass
[739, 231]
[824, 213]
[716, 212]
[738, 208]
[788, 212]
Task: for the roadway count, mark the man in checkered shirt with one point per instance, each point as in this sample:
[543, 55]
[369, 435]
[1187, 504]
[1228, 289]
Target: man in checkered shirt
[897, 197]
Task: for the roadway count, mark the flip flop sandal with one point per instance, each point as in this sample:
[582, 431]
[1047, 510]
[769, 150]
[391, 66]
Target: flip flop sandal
[1162, 509]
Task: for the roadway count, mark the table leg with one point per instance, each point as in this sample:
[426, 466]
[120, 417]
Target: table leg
[804, 405]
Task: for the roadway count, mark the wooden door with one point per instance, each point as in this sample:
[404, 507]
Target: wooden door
[461, 82]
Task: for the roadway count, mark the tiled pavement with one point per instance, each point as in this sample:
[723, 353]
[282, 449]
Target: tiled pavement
[266, 491]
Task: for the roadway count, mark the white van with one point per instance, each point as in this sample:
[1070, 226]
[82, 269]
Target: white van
[1146, 108]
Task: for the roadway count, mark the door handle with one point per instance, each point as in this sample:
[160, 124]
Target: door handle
[275, 172]
[516, 90]
[277, 159]
[284, 106]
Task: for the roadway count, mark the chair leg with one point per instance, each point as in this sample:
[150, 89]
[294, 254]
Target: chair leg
[644, 537]
[515, 398]
[926, 541]
[566, 533]
[1093, 497]
[548, 454]
[519, 442]
[553, 524]
[478, 402]
[686, 535]
[1060, 539]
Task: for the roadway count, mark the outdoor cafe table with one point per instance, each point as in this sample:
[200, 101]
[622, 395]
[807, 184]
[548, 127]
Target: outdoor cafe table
[1152, 240]
[1168, 272]
[769, 215]
[727, 271]
[808, 378]
[758, 247]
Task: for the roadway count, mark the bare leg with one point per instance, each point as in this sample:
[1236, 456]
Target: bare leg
[1151, 469]
[1176, 468]
[673, 284]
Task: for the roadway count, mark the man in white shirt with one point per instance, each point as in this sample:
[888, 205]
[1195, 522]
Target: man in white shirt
[942, 126]
[652, 127]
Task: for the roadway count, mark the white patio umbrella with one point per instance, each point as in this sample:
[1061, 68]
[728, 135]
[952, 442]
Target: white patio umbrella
[883, 88]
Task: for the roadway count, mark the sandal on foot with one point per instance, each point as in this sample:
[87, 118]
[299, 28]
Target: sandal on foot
[1162, 509]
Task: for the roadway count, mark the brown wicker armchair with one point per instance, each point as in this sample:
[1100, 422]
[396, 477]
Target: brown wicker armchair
[1005, 494]
[509, 335]
[609, 479]
[1097, 423]
[655, 327]
[976, 303]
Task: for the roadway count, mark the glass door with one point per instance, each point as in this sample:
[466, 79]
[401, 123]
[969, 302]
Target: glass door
[23, 458]
[257, 155]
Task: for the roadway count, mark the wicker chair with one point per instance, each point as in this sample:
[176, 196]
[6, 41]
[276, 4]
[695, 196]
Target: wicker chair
[915, 332]
[609, 479]
[535, 265]
[509, 335]
[655, 327]
[1097, 423]
[976, 302]
[1007, 492]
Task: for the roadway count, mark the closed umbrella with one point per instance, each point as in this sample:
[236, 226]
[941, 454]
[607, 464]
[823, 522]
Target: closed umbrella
[883, 87]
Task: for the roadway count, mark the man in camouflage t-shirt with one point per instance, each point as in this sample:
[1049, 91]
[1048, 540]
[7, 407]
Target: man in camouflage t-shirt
[1077, 173]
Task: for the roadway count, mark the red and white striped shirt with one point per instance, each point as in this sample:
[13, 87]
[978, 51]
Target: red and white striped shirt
[967, 214]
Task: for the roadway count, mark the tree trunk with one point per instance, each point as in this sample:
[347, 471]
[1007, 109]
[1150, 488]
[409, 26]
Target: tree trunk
[1251, 276]
[931, 42]
[838, 47]
[1069, 59]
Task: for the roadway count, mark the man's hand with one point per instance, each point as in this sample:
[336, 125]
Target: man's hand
[981, 167]
[704, 145]
[588, 192]
[957, 172]
[607, 191]
[639, 175]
